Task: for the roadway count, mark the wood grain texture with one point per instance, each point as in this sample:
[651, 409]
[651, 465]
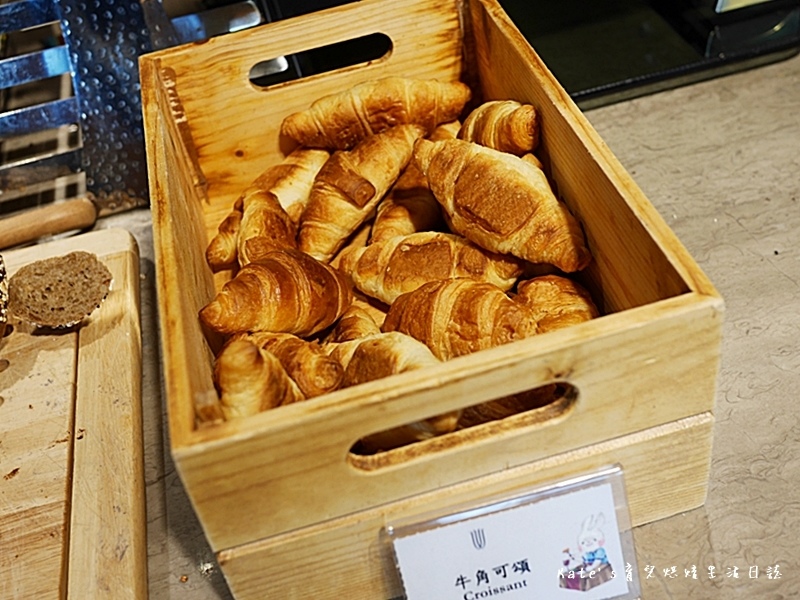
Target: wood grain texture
[235, 465]
[72, 518]
[107, 553]
[347, 557]
[37, 391]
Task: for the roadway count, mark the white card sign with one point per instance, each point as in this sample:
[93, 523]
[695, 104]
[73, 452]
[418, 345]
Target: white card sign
[548, 543]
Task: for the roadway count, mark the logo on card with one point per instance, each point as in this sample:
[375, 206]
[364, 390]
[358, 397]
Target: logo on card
[478, 538]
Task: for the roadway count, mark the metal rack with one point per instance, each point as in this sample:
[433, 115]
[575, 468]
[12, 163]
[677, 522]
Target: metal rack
[70, 107]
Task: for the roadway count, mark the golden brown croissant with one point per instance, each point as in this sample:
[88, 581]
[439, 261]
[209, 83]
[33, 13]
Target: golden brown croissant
[286, 291]
[410, 206]
[356, 322]
[502, 203]
[534, 160]
[306, 362]
[250, 380]
[446, 131]
[388, 268]
[383, 354]
[265, 227]
[358, 239]
[504, 125]
[459, 316]
[376, 309]
[349, 186]
[291, 179]
[264, 217]
[221, 252]
[555, 302]
[341, 120]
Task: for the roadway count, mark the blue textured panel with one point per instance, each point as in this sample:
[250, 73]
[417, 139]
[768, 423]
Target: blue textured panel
[105, 39]
[26, 13]
[34, 66]
[28, 120]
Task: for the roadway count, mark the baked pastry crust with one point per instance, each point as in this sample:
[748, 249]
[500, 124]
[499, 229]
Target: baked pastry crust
[459, 316]
[505, 125]
[502, 202]
[287, 291]
[341, 120]
[388, 268]
[349, 186]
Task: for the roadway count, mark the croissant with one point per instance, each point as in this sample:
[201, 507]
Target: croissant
[221, 252]
[358, 239]
[341, 120]
[250, 380]
[410, 206]
[265, 227]
[458, 316]
[264, 217]
[291, 179]
[388, 268]
[306, 362]
[407, 208]
[504, 125]
[349, 186]
[383, 354]
[376, 309]
[534, 160]
[356, 322]
[555, 302]
[286, 291]
[446, 131]
[502, 203]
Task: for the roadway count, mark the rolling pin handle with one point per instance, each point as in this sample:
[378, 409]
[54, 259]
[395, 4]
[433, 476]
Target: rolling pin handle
[78, 213]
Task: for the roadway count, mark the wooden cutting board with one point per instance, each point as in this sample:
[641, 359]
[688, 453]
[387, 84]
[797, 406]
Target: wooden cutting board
[72, 497]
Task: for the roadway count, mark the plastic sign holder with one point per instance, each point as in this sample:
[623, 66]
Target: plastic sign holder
[570, 539]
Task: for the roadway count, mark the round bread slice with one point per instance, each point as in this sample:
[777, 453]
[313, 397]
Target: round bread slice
[60, 291]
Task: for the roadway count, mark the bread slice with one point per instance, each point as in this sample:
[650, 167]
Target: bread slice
[60, 291]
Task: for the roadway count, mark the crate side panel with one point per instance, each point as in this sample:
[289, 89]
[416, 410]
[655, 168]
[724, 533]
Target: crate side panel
[628, 379]
[184, 282]
[666, 472]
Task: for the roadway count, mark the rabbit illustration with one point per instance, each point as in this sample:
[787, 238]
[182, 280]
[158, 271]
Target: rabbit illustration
[591, 541]
[589, 566]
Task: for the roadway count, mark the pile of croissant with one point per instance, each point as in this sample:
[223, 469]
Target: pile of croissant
[394, 237]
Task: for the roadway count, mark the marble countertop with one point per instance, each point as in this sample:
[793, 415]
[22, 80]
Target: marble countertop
[720, 160]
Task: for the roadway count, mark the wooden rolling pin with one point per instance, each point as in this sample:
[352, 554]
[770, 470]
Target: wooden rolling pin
[79, 213]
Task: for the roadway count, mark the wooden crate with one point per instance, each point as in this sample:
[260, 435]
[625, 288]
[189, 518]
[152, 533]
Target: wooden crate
[289, 509]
